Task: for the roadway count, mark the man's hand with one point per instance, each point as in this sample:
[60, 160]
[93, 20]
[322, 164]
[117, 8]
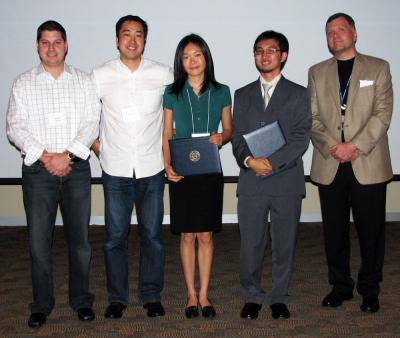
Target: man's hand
[260, 166]
[344, 152]
[44, 158]
[57, 164]
[96, 147]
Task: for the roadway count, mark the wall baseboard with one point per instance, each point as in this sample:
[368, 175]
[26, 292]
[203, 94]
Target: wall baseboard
[226, 219]
[97, 180]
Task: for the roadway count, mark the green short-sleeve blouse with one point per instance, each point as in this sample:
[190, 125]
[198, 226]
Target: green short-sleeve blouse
[197, 114]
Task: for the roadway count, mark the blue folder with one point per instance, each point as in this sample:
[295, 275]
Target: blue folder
[265, 141]
[194, 156]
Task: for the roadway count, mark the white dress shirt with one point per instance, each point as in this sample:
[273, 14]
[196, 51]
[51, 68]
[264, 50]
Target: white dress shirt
[132, 115]
[53, 114]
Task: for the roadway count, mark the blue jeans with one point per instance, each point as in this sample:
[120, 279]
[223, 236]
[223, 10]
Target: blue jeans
[42, 193]
[120, 194]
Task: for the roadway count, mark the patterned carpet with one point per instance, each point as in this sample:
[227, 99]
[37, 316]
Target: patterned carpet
[308, 288]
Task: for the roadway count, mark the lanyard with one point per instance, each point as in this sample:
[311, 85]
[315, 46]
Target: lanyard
[342, 96]
[191, 110]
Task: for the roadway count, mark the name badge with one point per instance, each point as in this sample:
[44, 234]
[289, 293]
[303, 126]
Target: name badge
[130, 114]
[56, 120]
[200, 134]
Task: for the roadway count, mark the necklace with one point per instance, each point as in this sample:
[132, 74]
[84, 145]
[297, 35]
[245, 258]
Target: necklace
[191, 109]
[342, 96]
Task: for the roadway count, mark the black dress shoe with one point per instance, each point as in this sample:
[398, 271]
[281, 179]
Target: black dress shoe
[154, 309]
[115, 310]
[335, 299]
[250, 310]
[208, 311]
[279, 310]
[370, 304]
[191, 312]
[85, 314]
[37, 320]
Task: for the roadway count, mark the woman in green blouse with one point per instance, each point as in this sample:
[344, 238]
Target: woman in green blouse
[196, 104]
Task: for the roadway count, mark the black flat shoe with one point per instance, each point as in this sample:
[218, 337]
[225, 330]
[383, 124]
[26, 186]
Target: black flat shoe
[37, 320]
[115, 310]
[191, 312]
[85, 314]
[250, 310]
[370, 304]
[279, 310]
[208, 311]
[335, 299]
[154, 309]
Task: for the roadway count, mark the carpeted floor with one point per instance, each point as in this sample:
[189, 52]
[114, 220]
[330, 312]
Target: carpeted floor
[308, 287]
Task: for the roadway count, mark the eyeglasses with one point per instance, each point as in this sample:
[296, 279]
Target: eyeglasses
[269, 51]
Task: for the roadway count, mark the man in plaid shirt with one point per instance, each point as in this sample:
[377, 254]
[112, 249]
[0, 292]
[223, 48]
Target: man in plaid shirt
[53, 118]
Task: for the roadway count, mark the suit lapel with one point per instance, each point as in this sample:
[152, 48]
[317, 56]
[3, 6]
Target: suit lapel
[277, 99]
[332, 79]
[256, 96]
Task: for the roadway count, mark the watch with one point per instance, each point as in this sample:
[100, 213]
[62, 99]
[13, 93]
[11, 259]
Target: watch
[70, 156]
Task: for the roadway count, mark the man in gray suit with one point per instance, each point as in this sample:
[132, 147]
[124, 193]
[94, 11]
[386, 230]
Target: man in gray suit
[273, 185]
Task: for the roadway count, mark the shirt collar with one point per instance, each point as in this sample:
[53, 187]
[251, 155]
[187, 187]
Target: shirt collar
[273, 82]
[67, 69]
[211, 87]
[123, 67]
[41, 71]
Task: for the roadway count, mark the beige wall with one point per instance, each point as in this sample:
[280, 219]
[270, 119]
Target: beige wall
[11, 201]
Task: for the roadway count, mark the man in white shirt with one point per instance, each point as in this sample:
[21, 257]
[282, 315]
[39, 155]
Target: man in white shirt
[129, 147]
[53, 118]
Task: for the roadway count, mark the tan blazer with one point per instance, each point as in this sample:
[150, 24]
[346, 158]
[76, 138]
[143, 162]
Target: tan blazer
[367, 119]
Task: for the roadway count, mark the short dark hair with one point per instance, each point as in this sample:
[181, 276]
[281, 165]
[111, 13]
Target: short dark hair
[51, 26]
[345, 16]
[279, 37]
[131, 18]
[180, 75]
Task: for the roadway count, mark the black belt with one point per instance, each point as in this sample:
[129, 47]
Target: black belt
[77, 159]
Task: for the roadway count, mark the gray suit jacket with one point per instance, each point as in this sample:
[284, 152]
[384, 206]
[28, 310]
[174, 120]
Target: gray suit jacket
[367, 118]
[290, 105]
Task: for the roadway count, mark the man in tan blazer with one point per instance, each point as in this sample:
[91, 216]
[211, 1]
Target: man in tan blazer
[352, 101]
